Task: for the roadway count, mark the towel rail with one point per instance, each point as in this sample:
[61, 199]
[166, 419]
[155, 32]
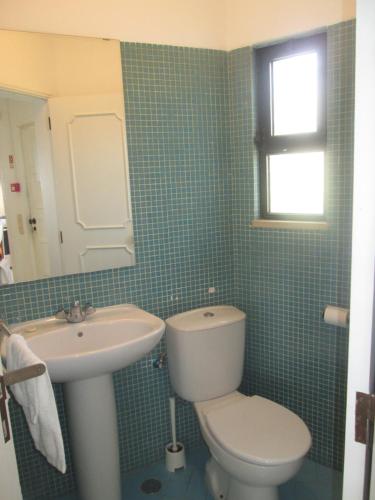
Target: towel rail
[16, 376]
[5, 329]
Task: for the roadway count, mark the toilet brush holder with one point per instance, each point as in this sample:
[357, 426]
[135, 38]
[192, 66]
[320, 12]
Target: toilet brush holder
[175, 458]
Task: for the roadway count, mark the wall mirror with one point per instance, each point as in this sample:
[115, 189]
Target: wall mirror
[64, 198]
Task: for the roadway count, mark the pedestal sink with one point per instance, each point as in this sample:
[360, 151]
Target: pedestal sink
[83, 357]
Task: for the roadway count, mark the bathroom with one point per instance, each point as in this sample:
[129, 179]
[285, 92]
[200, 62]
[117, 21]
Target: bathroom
[190, 112]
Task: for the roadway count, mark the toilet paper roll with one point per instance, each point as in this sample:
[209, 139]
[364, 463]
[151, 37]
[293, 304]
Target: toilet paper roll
[338, 316]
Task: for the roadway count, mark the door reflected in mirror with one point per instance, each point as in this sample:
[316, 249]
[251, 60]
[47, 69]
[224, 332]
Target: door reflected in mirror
[64, 201]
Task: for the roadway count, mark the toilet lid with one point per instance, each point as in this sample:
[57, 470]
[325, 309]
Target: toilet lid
[258, 430]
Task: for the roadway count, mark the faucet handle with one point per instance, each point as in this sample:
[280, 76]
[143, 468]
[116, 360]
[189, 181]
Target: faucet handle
[61, 313]
[89, 309]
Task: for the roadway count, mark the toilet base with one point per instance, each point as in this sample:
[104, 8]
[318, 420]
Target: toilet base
[224, 487]
[240, 491]
[217, 480]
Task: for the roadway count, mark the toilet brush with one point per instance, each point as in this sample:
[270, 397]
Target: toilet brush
[174, 451]
[172, 408]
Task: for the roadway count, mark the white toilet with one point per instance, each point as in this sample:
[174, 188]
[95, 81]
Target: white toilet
[255, 444]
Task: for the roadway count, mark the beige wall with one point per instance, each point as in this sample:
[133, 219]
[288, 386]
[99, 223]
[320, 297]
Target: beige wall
[218, 24]
[252, 21]
[85, 66]
[197, 23]
[25, 63]
[56, 65]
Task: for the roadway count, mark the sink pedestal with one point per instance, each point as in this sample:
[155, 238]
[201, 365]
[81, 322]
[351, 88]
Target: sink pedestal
[92, 422]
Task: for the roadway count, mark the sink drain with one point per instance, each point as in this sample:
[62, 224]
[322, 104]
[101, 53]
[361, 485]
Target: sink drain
[150, 486]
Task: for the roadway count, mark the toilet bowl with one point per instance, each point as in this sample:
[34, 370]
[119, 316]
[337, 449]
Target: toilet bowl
[255, 444]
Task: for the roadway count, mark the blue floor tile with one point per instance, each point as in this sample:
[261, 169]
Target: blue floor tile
[313, 482]
[184, 484]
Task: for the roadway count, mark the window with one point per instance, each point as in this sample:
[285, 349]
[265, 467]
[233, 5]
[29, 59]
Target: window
[291, 128]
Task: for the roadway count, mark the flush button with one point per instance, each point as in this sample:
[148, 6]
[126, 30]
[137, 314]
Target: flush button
[208, 314]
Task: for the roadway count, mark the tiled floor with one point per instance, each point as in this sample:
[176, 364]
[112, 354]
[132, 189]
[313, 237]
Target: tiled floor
[313, 482]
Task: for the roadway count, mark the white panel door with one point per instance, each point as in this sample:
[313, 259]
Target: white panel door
[35, 197]
[16, 204]
[9, 481]
[88, 136]
[362, 304]
[35, 246]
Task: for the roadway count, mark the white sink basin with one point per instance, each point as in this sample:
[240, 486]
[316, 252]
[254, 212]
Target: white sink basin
[111, 339]
[84, 355]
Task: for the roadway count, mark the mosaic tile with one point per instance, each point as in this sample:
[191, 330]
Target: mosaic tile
[176, 125]
[283, 279]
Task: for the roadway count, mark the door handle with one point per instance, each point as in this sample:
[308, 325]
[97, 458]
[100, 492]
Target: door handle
[32, 223]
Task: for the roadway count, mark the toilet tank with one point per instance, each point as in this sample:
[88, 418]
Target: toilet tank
[206, 350]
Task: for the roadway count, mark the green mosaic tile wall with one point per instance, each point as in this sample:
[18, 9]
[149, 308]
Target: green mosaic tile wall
[283, 279]
[176, 111]
[190, 124]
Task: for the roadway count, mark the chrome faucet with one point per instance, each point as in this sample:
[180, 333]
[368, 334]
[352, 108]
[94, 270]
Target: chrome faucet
[76, 313]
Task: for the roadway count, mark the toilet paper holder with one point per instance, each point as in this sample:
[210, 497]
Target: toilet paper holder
[335, 315]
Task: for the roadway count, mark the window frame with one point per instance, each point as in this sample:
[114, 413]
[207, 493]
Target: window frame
[267, 143]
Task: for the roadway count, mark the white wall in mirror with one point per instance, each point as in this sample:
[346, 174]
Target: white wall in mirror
[63, 158]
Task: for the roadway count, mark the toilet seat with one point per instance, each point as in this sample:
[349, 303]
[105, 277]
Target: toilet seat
[257, 430]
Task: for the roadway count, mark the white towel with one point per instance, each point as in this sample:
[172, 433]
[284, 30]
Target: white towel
[38, 402]
[6, 273]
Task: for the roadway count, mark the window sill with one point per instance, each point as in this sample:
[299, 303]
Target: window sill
[289, 224]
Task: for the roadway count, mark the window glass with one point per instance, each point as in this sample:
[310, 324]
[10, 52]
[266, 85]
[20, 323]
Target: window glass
[295, 94]
[291, 128]
[296, 183]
